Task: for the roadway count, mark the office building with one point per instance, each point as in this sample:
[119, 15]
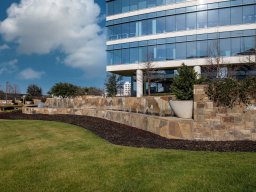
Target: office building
[168, 33]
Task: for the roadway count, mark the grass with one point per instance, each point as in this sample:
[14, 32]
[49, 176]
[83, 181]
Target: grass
[50, 156]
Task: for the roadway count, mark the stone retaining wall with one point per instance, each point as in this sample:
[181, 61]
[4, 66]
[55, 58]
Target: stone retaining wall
[146, 105]
[210, 122]
[221, 123]
[169, 127]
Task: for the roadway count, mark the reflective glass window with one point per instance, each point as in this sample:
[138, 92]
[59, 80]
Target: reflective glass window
[180, 22]
[110, 57]
[170, 1]
[224, 17]
[110, 10]
[181, 51]
[160, 2]
[248, 14]
[146, 26]
[225, 47]
[191, 21]
[160, 25]
[213, 18]
[248, 43]
[191, 50]
[134, 55]
[202, 49]
[170, 24]
[235, 46]
[236, 15]
[125, 6]
[151, 3]
[117, 56]
[202, 19]
[152, 53]
[117, 6]
[125, 56]
[133, 5]
[143, 54]
[142, 4]
[125, 30]
[132, 29]
[170, 52]
[161, 52]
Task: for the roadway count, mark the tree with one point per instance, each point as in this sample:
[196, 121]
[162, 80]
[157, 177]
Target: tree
[64, 90]
[114, 84]
[215, 61]
[148, 74]
[183, 82]
[34, 90]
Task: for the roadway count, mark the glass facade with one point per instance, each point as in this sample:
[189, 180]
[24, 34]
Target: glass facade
[185, 47]
[123, 6]
[180, 20]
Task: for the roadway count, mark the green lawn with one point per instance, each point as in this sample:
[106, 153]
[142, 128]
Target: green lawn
[50, 156]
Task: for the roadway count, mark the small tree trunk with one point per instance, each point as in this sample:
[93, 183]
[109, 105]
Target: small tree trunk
[148, 87]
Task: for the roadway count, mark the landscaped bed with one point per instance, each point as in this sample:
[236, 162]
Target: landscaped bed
[128, 136]
[52, 156]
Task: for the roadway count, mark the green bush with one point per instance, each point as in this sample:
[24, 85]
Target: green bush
[183, 84]
[227, 92]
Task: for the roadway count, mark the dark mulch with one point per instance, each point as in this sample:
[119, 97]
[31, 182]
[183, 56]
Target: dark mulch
[120, 134]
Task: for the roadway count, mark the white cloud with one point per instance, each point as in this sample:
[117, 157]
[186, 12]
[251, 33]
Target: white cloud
[9, 66]
[29, 74]
[4, 47]
[41, 26]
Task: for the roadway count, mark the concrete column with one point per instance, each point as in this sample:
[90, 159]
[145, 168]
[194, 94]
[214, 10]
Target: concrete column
[139, 81]
[198, 70]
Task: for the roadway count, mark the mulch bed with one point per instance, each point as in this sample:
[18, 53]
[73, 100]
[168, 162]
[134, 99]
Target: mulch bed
[120, 134]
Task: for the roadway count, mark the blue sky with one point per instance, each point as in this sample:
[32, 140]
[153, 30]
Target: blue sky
[42, 46]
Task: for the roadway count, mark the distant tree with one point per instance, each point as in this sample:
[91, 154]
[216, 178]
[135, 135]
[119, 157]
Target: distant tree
[114, 84]
[34, 90]
[94, 91]
[64, 90]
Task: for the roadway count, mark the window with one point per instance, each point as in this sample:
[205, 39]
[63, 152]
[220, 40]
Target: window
[236, 15]
[248, 43]
[181, 22]
[132, 29]
[110, 10]
[170, 24]
[151, 53]
[134, 55]
[146, 26]
[151, 3]
[117, 56]
[110, 57]
[235, 46]
[161, 52]
[248, 14]
[143, 54]
[160, 25]
[125, 30]
[125, 6]
[225, 47]
[191, 50]
[213, 18]
[181, 51]
[202, 49]
[125, 56]
[191, 21]
[202, 19]
[170, 52]
[224, 17]
[133, 5]
[142, 4]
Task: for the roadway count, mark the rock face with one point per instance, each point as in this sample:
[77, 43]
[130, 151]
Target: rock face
[147, 105]
[153, 114]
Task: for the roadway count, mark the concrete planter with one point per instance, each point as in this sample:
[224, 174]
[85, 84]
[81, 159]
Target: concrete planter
[182, 109]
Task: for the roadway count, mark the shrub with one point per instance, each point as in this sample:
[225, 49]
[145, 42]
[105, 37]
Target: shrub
[183, 83]
[227, 92]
